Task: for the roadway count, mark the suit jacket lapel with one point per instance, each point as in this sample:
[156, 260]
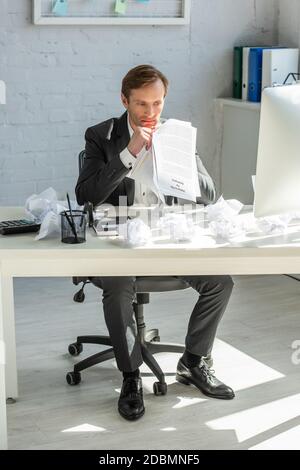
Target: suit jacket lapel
[122, 133]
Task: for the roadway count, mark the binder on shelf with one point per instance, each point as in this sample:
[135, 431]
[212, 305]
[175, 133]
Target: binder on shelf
[237, 72]
[245, 80]
[277, 64]
[245, 67]
[255, 72]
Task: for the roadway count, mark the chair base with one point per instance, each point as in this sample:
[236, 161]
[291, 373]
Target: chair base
[149, 346]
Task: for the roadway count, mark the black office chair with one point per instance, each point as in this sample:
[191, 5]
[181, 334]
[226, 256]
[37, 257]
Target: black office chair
[150, 340]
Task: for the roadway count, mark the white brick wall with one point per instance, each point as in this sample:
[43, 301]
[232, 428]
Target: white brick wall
[289, 22]
[60, 80]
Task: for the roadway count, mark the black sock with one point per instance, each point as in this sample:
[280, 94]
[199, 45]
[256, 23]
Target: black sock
[132, 374]
[190, 360]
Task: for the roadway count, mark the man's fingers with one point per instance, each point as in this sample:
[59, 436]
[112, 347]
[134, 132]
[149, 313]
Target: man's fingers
[148, 145]
[142, 137]
[146, 137]
[147, 130]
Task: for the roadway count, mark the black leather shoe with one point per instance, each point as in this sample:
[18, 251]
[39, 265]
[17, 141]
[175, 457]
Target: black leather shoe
[131, 404]
[209, 361]
[204, 379]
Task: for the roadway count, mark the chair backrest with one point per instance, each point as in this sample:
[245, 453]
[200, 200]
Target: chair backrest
[88, 206]
[81, 158]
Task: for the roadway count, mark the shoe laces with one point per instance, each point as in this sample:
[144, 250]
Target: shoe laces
[207, 371]
[131, 388]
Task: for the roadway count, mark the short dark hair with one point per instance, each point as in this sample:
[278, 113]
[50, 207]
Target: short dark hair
[141, 76]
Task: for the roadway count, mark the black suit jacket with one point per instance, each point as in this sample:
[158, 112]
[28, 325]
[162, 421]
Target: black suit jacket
[103, 176]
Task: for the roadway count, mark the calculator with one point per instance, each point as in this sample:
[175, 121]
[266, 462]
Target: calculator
[10, 227]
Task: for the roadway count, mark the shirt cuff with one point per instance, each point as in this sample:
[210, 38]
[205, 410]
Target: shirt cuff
[127, 159]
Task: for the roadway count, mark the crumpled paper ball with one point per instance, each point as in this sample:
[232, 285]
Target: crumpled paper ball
[227, 228]
[38, 205]
[179, 226]
[274, 224]
[223, 219]
[44, 208]
[138, 233]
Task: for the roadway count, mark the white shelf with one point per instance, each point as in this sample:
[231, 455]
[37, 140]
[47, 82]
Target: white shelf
[236, 103]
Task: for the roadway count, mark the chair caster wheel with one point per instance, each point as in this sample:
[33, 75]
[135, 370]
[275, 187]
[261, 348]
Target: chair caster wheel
[79, 296]
[156, 339]
[73, 378]
[160, 388]
[75, 349]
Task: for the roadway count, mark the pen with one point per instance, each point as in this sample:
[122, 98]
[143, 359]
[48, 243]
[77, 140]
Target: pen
[70, 223]
[72, 219]
[82, 219]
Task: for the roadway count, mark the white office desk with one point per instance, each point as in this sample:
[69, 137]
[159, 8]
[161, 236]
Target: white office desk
[22, 256]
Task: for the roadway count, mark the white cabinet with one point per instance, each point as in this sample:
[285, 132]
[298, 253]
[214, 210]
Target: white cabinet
[238, 123]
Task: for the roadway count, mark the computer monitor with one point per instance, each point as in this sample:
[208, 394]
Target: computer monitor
[277, 182]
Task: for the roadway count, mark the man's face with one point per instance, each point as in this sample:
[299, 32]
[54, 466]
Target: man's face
[145, 104]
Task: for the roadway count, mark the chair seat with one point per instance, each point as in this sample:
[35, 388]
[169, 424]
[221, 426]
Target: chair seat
[159, 284]
[146, 284]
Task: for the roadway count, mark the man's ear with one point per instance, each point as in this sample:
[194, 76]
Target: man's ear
[124, 100]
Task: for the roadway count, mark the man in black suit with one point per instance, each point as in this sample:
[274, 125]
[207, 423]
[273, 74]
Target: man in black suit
[111, 150]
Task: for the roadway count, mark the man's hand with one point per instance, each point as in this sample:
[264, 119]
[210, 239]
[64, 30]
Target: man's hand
[142, 137]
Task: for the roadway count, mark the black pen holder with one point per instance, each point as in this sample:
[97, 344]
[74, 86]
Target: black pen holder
[73, 226]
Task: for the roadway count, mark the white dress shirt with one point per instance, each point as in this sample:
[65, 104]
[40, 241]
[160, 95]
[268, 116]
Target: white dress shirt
[143, 194]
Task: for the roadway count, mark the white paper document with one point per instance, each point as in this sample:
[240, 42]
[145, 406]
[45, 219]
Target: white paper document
[169, 167]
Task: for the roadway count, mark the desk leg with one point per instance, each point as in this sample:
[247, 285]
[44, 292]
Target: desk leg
[3, 419]
[9, 337]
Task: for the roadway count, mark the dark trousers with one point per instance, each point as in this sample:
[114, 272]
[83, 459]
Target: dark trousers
[118, 295]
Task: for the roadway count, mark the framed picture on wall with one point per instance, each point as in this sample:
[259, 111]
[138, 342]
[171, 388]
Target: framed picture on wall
[111, 12]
